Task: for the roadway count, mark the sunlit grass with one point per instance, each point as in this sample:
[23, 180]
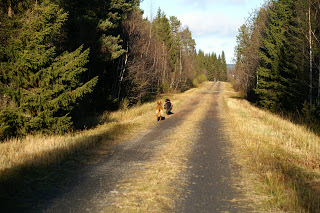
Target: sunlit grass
[40, 150]
[280, 160]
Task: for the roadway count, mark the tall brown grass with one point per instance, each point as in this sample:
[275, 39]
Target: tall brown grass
[280, 159]
[43, 151]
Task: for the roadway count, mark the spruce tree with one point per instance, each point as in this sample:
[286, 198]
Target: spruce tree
[219, 68]
[162, 28]
[41, 87]
[176, 40]
[224, 69]
[212, 58]
[278, 85]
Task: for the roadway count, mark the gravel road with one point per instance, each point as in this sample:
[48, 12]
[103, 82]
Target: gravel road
[210, 186]
[209, 189]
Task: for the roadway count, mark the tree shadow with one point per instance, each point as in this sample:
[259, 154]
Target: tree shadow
[296, 180]
[237, 97]
[29, 187]
[304, 185]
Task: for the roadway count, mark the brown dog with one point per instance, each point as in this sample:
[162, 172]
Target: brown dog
[159, 111]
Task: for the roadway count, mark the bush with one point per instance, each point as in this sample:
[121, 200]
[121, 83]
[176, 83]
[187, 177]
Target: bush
[11, 123]
[310, 115]
[124, 104]
[166, 87]
[199, 80]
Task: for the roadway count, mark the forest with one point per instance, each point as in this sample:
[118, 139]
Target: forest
[278, 59]
[63, 62]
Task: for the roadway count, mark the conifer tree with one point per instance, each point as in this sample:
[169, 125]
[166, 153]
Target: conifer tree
[41, 87]
[212, 61]
[278, 86]
[188, 43]
[176, 39]
[224, 69]
[13, 8]
[163, 28]
[245, 76]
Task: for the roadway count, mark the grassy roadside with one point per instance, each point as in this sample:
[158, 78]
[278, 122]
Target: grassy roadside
[34, 156]
[280, 160]
[155, 188]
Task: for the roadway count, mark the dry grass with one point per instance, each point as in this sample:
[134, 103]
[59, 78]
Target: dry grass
[42, 151]
[280, 160]
[155, 188]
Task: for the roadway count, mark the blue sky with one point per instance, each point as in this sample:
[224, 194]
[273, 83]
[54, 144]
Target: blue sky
[214, 23]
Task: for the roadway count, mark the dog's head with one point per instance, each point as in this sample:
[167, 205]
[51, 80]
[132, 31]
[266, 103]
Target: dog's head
[159, 103]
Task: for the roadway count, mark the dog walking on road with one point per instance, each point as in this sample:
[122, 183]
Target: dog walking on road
[159, 111]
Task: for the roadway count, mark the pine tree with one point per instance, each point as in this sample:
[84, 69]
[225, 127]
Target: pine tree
[188, 43]
[41, 87]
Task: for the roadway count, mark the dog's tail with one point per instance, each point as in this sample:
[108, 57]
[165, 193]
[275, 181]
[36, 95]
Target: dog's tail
[159, 113]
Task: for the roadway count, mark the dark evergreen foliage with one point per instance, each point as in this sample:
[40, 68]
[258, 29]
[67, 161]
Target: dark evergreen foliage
[52, 53]
[214, 67]
[279, 86]
[277, 58]
[40, 88]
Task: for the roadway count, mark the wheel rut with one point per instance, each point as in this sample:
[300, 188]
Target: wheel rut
[210, 169]
[94, 182]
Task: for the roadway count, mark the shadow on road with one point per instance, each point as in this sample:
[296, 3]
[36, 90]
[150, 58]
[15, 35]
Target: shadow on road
[23, 187]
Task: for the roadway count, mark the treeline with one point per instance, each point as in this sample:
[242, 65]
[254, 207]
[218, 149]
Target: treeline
[62, 61]
[278, 57]
[215, 66]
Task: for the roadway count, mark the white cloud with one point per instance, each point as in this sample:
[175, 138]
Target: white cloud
[213, 32]
[214, 23]
[215, 29]
[205, 3]
[216, 1]
[216, 45]
[208, 24]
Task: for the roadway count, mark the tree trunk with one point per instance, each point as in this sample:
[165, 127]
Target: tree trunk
[10, 10]
[180, 77]
[318, 100]
[122, 71]
[310, 54]
[163, 64]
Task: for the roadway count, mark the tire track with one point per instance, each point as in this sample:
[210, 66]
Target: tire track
[94, 182]
[210, 187]
[155, 188]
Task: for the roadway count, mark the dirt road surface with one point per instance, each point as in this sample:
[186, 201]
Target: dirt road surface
[209, 188]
